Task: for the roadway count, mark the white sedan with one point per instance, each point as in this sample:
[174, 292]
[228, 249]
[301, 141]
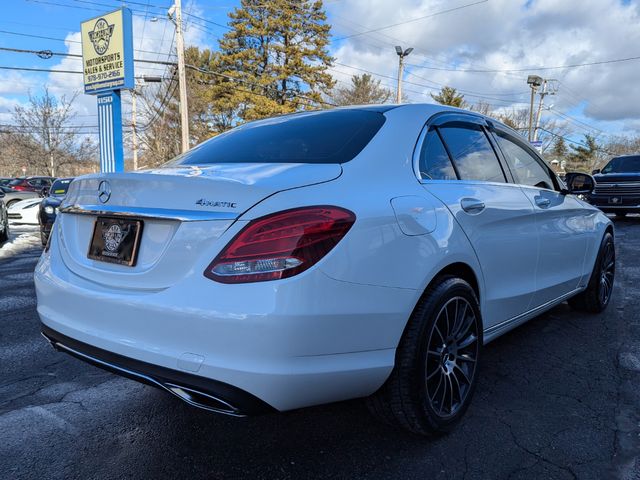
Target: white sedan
[322, 256]
[25, 211]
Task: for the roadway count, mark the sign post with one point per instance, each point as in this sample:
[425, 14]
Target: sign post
[107, 60]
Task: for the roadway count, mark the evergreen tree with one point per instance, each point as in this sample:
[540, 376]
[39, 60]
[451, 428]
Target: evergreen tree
[364, 90]
[584, 157]
[559, 150]
[277, 51]
[450, 96]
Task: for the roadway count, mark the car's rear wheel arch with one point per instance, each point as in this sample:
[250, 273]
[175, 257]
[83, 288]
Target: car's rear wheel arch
[459, 270]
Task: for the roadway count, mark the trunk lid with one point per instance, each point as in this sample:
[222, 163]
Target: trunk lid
[184, 211]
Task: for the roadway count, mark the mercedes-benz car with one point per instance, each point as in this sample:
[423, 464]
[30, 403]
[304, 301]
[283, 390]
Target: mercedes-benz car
[49, 207]
[617, 187]
[322, 256]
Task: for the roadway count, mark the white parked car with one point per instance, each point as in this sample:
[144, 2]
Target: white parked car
[322, 256]
[25, 211]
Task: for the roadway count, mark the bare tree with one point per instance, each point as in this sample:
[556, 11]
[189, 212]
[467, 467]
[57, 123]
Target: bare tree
[44, 138]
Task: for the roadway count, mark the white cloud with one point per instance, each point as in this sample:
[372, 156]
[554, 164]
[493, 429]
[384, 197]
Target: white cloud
[502, 34]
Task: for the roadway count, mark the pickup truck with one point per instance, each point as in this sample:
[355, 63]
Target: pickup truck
[617, 187]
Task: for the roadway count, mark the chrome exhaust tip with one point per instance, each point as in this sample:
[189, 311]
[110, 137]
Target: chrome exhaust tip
[202, 400]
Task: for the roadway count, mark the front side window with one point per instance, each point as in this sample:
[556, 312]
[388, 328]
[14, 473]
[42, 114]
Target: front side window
[525, 167]
[435, 163]
[472, 153]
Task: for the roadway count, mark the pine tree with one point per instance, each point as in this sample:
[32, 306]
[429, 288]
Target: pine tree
[584, 157]
[277, 51]
[450, 96]
[364, 90]
[559, 150]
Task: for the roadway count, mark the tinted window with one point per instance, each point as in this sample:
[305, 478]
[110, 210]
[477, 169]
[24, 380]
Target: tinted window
[525, 167]
[435, 163]
[623, 165]
[334, 136]
[60, 187]
[17, 181]
[472, 153]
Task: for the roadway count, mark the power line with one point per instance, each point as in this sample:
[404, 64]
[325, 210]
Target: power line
[264, 87]
[529, 69]
[74, 55]
[30, 35]
[412, 20]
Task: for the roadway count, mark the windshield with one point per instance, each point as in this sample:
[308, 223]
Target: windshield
[331, 136]
[60, 187]
[623, 165]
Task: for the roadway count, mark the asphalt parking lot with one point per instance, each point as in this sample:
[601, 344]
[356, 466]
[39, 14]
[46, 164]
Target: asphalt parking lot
[558, 398]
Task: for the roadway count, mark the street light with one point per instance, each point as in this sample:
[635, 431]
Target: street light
[401, 54]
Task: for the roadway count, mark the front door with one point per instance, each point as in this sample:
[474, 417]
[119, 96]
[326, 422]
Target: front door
[563, 224]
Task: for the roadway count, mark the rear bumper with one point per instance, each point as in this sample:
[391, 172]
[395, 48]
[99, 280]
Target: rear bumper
[197, 391]
[293, 343]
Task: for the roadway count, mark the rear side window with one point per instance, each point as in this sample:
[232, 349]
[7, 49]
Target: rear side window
[332, 136]
[524, 166]
[435, 163]
[472, 153]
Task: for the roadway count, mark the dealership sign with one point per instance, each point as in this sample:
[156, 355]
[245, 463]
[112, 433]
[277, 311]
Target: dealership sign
[107, 64]
[107, 52]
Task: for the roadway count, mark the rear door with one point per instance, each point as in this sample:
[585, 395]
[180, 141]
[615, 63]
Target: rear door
[459, 165]
[561, 219]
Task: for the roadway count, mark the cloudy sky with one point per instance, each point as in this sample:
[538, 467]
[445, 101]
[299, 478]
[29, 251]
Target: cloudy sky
[485, 49]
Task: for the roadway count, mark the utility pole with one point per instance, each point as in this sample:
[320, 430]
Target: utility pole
[401, 53]
[134, 131]
[534, 81]
[182, 80]
[140, 82]
[545, 91]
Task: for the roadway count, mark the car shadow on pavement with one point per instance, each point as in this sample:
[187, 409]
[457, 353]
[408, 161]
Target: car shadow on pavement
[542, 408]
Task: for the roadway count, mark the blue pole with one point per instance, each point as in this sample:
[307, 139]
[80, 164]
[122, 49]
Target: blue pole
[110, 132]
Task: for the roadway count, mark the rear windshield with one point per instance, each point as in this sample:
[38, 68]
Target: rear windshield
[623, 165]
[333, 136]
[60, 187]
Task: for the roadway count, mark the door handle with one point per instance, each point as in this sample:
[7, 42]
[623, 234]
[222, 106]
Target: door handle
[543, 202]
[472, 205]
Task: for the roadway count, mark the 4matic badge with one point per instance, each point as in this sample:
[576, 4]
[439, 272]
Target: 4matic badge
[101, 35]
[203, 202]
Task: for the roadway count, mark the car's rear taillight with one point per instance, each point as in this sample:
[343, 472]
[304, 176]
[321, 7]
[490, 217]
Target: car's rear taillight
[281, 245]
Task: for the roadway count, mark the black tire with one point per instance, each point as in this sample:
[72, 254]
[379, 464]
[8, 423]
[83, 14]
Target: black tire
[597, 295]
[621, 214]
[409, 398]
[44, 238]
[12, 202]
[4, 235]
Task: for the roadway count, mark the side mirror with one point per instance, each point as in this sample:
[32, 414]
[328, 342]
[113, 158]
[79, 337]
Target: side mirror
[580, 183]
[595, 172]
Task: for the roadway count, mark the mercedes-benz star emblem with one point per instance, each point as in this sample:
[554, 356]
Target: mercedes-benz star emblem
[104, 191]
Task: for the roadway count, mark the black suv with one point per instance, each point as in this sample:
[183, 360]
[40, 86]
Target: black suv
[618, 186]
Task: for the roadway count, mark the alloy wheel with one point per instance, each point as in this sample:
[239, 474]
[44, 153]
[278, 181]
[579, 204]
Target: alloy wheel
[452, 356]
[607, 273]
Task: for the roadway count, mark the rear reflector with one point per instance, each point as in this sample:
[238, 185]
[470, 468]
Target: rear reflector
[281, 245]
